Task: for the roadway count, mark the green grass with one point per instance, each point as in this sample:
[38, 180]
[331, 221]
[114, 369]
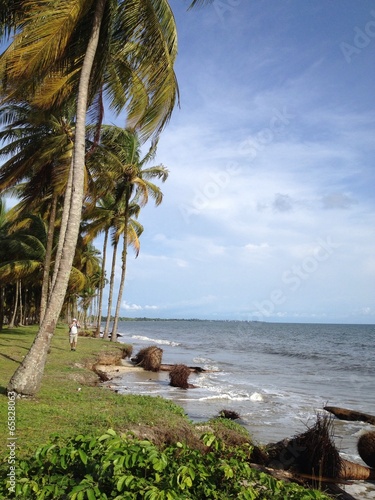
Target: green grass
[59, 407]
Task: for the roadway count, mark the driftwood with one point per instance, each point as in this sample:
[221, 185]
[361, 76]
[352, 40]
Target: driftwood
[194, 369]
[366, 448]
[350, 415]
[325, 484]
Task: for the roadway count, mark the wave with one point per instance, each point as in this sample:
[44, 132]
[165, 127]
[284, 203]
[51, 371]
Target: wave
[233, 397]
[156, 341]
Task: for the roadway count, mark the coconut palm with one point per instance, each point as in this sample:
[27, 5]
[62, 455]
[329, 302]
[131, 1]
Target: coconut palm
[39, 148]
[133, 187]
[98, 219]
[70, 48]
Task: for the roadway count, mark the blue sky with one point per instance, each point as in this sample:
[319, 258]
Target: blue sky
[268, 211]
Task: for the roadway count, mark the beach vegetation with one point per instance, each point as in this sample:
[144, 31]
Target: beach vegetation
[121, 466]
[65, 448]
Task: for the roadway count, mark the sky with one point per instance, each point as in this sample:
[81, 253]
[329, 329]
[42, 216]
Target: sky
[268, 211]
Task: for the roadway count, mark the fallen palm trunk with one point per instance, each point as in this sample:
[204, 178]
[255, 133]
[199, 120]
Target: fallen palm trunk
[314, 454]
[195, 369]
[350, 470]
[350, 415]
[326, 484]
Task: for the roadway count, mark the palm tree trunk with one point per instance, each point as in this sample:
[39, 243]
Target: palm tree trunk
[101, 285]
[48, 259]
[111, 286]
[123, 273]
[20, 323]
[13, 318]
[28, 376]
[2, 302]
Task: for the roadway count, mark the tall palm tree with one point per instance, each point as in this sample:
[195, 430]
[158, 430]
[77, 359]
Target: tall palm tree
[133, 187]
[98, 219]
[75, 48]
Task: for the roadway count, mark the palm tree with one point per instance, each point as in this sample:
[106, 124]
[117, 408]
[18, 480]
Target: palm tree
[39, 146]
[132, 189]
[98, 219]
[76, 49]
[108, 217]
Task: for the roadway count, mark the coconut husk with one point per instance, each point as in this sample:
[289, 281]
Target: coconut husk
[179, 375]
[230, 414]
[366, 448]
[149, 358]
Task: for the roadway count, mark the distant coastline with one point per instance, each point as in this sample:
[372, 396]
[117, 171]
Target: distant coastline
[104, 318]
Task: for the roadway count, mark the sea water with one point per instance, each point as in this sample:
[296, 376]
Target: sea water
[277, 377]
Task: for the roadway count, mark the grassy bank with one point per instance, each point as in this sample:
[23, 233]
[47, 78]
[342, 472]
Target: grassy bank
[72, 402]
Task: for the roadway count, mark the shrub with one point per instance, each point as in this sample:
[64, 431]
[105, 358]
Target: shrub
[123, 467]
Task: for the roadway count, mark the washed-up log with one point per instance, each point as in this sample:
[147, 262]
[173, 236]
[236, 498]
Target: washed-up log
[366, 448]
[326, 484]
[350, 470]
[195, 369]
[350, 415]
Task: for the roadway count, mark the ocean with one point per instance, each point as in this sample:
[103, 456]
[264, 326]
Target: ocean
[276, 376]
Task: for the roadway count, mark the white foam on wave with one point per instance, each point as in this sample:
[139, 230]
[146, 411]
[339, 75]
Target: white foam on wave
[156, 341]
[200, 359]
[224, 396]
[256, 397]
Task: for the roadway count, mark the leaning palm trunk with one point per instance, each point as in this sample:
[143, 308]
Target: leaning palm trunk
[122, 280]
[48, 259]
[101, 286]
[111, 286]
[28, 376]
[64, 223]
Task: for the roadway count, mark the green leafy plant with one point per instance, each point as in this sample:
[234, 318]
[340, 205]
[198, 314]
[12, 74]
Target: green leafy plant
[114, 466]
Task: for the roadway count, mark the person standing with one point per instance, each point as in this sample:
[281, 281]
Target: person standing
[73, 334]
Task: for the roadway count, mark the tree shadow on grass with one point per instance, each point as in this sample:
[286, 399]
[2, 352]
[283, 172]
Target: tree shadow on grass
[14, 331]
